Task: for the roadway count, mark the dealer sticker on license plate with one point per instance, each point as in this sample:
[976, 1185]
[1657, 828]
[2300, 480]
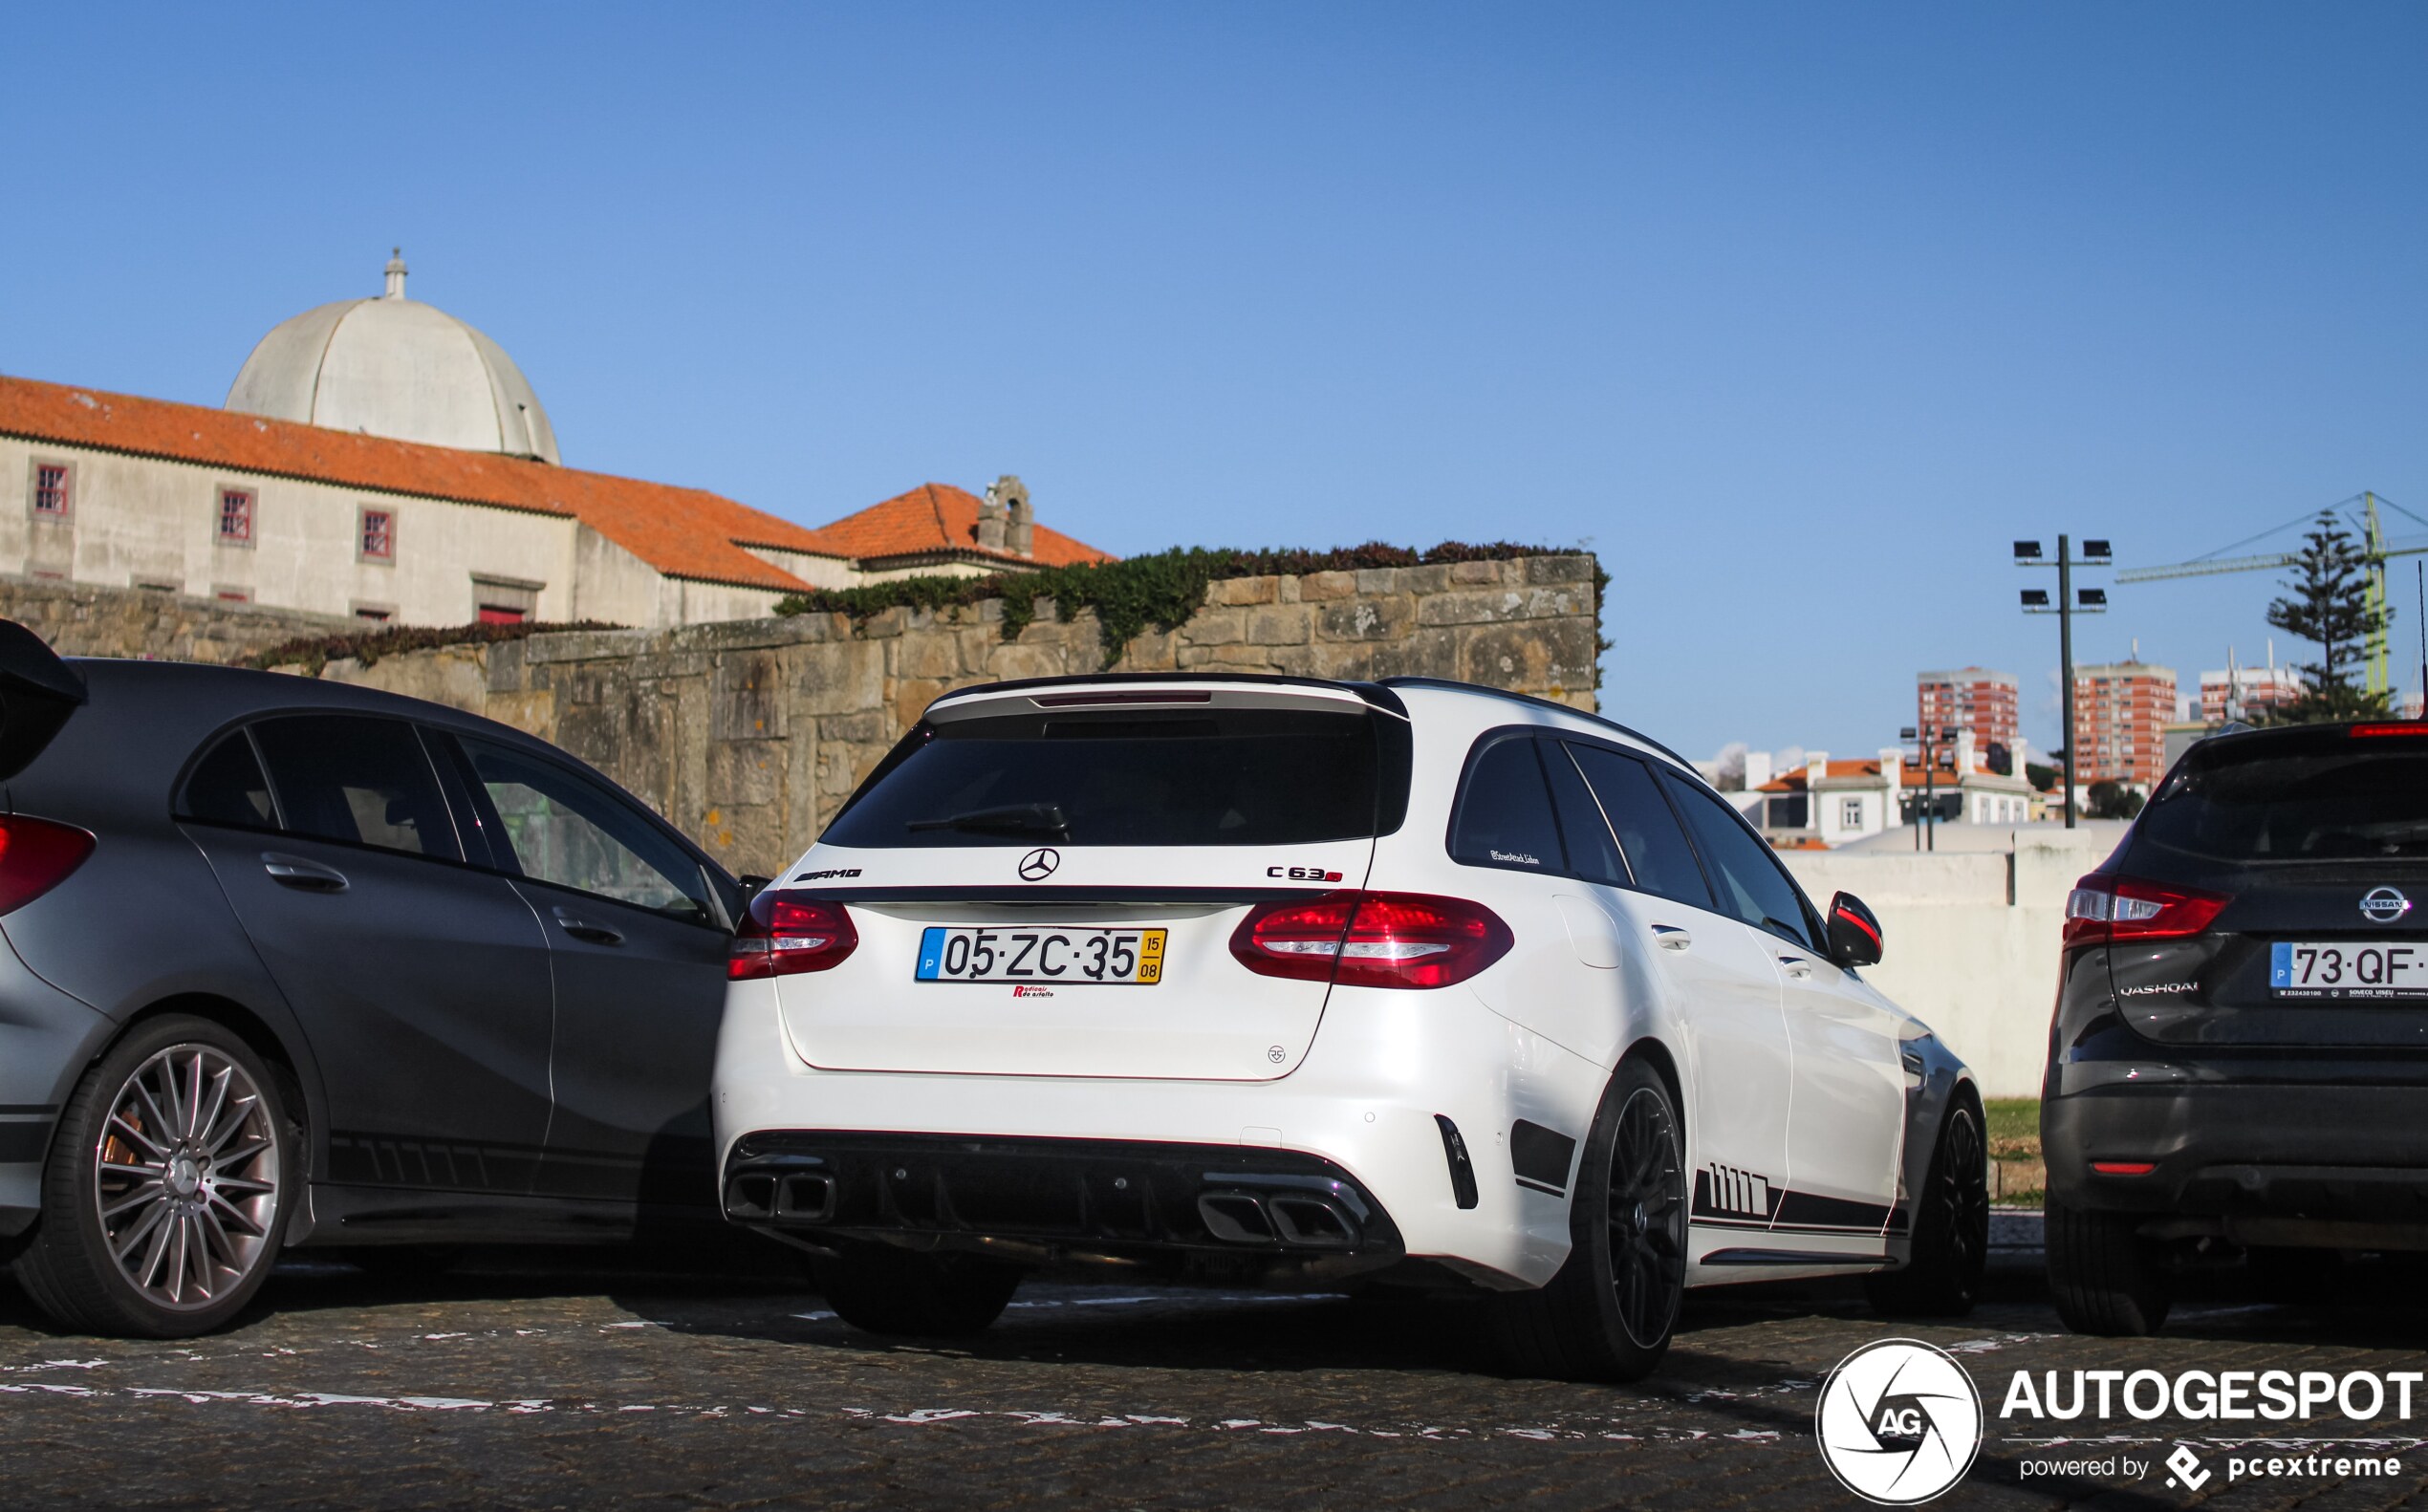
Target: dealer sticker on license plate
[1111, 957]
[2297, 970]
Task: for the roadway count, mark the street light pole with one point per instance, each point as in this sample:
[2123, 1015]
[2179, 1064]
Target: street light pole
[2090, 601]
[1929, 818]
[2066, 661]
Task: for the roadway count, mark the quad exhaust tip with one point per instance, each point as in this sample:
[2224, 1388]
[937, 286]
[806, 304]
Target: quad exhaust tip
[1302, 1220]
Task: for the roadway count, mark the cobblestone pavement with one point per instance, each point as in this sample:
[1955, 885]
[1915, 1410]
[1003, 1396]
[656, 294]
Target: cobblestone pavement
[593, 1381]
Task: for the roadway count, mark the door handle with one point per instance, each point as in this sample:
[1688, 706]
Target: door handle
[294, 871]
[1798, 968]
[1671, 937]
[597, 934]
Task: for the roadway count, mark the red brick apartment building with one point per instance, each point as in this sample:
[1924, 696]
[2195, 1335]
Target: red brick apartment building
[1969, 697]
[2121, 712]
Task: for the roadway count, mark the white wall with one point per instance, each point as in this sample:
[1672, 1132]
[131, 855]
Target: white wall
[1971, 938]
[147, 521]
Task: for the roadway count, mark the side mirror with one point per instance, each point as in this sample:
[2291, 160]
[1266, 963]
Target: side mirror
[1854, 933]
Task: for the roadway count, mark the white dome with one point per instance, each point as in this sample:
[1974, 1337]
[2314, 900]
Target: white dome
[395, 367]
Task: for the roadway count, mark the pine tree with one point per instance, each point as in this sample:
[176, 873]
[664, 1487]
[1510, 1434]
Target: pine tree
[2328, 602]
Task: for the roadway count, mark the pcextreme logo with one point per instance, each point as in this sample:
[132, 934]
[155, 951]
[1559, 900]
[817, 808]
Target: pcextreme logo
[1899, 1422]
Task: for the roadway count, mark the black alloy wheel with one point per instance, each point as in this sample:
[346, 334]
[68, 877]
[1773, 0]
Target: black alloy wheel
[1951, 1226]
[1609, 1313]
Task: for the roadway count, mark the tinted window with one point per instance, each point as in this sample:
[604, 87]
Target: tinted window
[1592, 853]
[1751, 883]
[2313, 798]
[566, 830]
[358, 778]
[227, 788]
[1210, 777]
[1505, 812]
[1648, 833]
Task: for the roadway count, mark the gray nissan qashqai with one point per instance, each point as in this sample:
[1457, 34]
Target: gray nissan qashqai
[288, 961]
[2239, 1061]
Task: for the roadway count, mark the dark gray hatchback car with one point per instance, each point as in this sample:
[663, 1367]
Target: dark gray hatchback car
[292, 962]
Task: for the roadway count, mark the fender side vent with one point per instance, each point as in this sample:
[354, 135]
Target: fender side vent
[1454, 1150]
[1540, 1157]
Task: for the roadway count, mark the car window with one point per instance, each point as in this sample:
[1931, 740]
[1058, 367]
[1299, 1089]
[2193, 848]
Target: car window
[1592, 853]
[227, 787]
[1505, 814]
[566, 829]
[1142, 777]
[360, 779]
[1656, 848]
[1751, 883]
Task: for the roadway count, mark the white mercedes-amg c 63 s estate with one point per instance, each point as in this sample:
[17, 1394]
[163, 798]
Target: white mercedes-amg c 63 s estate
[1294, 983]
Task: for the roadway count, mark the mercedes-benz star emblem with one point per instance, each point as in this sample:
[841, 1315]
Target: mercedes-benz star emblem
[2384, 905]
[1039, 864]
[1899, 1422]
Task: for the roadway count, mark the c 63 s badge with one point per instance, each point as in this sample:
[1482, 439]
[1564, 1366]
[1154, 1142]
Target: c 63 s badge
[1302, 874]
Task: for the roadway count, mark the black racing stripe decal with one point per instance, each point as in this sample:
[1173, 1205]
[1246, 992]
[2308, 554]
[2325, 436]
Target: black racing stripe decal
[1803, 1210]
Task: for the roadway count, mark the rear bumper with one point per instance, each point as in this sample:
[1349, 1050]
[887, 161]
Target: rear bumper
[1270, 1211]
[46, 1039]
[2311, 1163]
[1361, 1112]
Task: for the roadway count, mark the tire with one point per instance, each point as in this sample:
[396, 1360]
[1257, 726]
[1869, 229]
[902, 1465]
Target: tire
[167, 1188]
[2104, 1277]
[878, 1289]
[1951, 1227]
[1609, 1313]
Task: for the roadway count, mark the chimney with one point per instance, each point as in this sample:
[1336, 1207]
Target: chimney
[990, 522]
[1963, 754]
[1758, 771]
[1893, 769]
[1020, 519]
[1817, 765]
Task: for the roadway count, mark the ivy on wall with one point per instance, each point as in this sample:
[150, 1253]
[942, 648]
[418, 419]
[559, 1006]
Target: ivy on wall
[314, 652]
[1162, 590]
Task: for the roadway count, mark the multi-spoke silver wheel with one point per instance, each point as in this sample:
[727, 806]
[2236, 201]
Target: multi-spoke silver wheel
[185, 1177]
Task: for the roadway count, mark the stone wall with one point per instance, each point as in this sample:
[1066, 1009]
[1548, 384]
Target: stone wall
[751, 733]
[81, 621]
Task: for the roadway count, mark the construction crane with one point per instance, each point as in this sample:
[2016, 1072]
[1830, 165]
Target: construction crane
[2377, 550]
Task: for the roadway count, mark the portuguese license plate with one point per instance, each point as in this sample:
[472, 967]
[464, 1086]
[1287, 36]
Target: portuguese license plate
[1108, 957]
[2298, 970]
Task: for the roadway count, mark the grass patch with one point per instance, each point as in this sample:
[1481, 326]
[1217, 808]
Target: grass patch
[2012, 1118]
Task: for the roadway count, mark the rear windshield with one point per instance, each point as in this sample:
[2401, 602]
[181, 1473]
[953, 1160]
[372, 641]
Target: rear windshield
[1191, 778]
[2318, 798]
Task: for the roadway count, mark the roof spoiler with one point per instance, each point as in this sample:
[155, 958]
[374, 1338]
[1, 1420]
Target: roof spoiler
[37, 693]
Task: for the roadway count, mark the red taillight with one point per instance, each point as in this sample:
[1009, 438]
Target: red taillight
[1372, 939]
[785, 934]
[2102, 908]
[2123, 1167]
[35, 856]
[2413, 728]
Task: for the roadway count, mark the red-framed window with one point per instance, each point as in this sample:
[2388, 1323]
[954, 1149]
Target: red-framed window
[51, 488]
[236, 516]
[379, 535]
[500, 615]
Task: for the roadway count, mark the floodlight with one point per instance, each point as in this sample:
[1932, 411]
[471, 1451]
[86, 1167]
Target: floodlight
[2035, 598]
[2096, 549]
[2091, 597]
[2028, 551]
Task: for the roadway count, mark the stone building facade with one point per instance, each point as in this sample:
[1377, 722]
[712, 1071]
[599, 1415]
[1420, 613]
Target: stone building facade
[750, 734]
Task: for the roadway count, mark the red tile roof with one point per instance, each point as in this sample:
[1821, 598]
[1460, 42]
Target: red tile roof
[683, 532]
[1909, 775]
[938, 517]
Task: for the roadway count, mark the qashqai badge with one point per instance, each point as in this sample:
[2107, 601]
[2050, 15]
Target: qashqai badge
[2384, 905]
[1899, 1422]
[1039, 864]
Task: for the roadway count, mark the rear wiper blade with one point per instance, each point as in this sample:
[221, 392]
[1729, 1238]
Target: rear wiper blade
[1020, 818]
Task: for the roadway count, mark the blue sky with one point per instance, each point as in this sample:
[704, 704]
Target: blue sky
[1798, 313]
